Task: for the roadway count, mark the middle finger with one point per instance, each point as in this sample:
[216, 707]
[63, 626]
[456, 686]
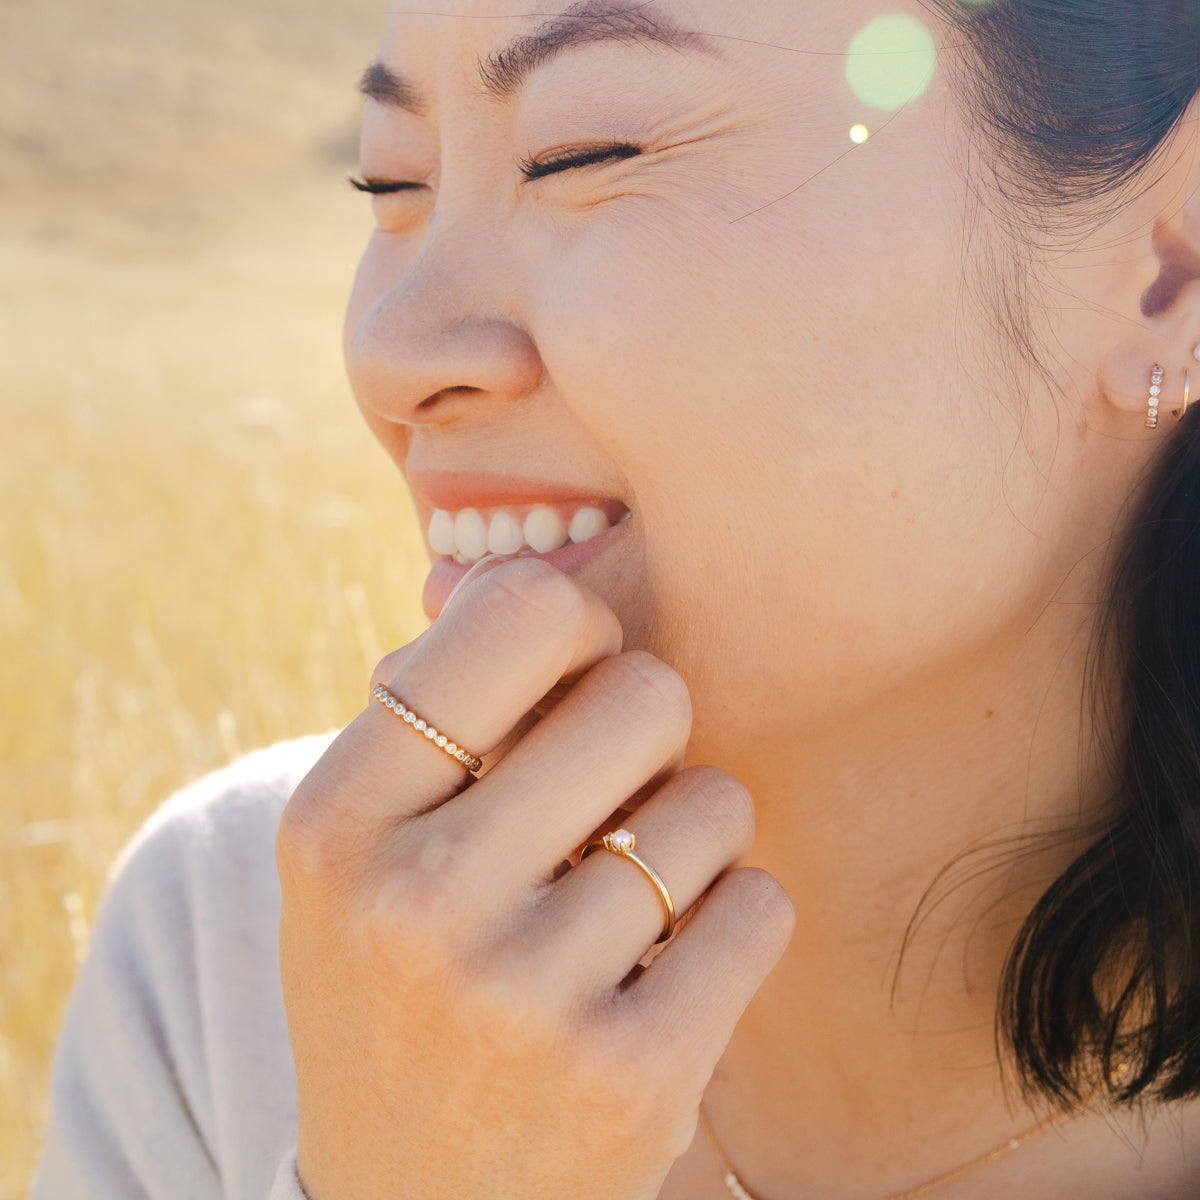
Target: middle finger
[626, 722]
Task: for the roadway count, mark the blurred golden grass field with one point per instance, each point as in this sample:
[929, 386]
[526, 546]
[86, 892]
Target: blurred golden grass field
[203, 550]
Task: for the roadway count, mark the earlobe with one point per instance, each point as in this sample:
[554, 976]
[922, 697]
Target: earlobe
[1139, 379]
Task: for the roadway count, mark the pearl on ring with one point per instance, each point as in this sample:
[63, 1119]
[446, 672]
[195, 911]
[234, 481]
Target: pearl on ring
[620, 841]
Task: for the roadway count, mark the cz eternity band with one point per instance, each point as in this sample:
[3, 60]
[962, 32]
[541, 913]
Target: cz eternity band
[440, 740]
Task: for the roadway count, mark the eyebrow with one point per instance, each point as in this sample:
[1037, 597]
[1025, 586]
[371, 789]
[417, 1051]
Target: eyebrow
[504, 72]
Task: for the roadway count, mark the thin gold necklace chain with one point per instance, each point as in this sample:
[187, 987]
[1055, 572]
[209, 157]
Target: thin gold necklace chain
[739, 1191]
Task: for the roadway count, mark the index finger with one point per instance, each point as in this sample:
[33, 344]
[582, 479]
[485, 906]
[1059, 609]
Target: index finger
[508, 638]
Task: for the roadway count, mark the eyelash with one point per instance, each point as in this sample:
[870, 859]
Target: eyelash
[383, 187]
[530, 169]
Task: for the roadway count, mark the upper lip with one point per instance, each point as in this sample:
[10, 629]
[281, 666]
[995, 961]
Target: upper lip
[453, 491]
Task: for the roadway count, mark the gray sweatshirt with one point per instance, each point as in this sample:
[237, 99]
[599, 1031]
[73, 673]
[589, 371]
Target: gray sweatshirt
[173, 1074]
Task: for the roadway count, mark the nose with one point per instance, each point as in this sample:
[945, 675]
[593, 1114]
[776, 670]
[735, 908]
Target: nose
[433, 339]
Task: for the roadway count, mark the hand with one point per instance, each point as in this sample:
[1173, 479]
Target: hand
[468, 1020]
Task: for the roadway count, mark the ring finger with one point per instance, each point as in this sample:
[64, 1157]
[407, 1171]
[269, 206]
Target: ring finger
[607, 912]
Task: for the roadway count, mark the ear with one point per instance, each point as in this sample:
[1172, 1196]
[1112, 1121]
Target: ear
[1165, 328]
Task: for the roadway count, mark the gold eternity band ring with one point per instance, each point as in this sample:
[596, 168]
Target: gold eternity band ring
[621, 843]
[440, 740]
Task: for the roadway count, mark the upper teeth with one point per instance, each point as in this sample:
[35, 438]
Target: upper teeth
[471, 533]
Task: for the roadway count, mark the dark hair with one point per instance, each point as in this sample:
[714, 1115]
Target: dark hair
[1075, 99]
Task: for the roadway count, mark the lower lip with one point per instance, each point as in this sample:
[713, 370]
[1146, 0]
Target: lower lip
[569, 559]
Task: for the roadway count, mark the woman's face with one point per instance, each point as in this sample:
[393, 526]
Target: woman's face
[751, 333]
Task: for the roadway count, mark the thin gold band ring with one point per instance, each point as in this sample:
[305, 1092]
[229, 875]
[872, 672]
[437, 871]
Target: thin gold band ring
[621, 843]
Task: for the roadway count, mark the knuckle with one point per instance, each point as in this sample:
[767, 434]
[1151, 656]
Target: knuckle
[325, 847]
[389, 666]
[302, 843]
[651, 689]
[418, 926]
[522, 1002]
[431, 887]
[765, 911]
[722, 802]
[318, 862]
[314, 837]
[532, 596]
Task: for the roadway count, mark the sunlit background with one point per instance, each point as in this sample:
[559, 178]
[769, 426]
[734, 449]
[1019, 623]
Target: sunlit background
[203, 550]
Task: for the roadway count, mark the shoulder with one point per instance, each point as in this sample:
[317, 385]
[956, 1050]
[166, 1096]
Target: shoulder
[192, 906]
[226, 812]
[174, 1061]
[195, 892]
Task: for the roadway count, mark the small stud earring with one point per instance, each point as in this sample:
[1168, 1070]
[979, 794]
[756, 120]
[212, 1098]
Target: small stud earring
[1156, 378]
[1177, 413]
[1196, 353]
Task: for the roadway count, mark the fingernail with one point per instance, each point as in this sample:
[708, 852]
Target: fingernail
[482, 567]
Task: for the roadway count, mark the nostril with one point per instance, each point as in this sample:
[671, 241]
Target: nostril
[446, 393]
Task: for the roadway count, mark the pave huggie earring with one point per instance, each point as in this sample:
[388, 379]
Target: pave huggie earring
[1156, 378]
[1177, 413]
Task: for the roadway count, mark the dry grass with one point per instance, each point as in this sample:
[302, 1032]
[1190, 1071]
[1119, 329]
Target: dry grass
[203, 550]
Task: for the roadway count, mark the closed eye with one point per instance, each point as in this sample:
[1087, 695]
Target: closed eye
[383, 187]
[530, 168]
[533, 169]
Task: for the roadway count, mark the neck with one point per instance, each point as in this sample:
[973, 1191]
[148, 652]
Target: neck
[929, 824]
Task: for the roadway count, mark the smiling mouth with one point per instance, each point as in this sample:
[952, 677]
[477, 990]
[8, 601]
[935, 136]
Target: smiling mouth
[468, 534]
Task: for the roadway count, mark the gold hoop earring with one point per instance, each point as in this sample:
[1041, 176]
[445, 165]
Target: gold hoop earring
[1156, 378]
[1177, 413]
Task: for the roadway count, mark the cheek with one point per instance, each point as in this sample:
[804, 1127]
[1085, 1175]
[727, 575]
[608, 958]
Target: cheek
[709, 357]
[658, 340]
[822, 497]
[635, 330]
[653, 329]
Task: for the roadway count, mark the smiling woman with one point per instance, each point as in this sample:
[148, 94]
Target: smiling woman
[785, 394]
